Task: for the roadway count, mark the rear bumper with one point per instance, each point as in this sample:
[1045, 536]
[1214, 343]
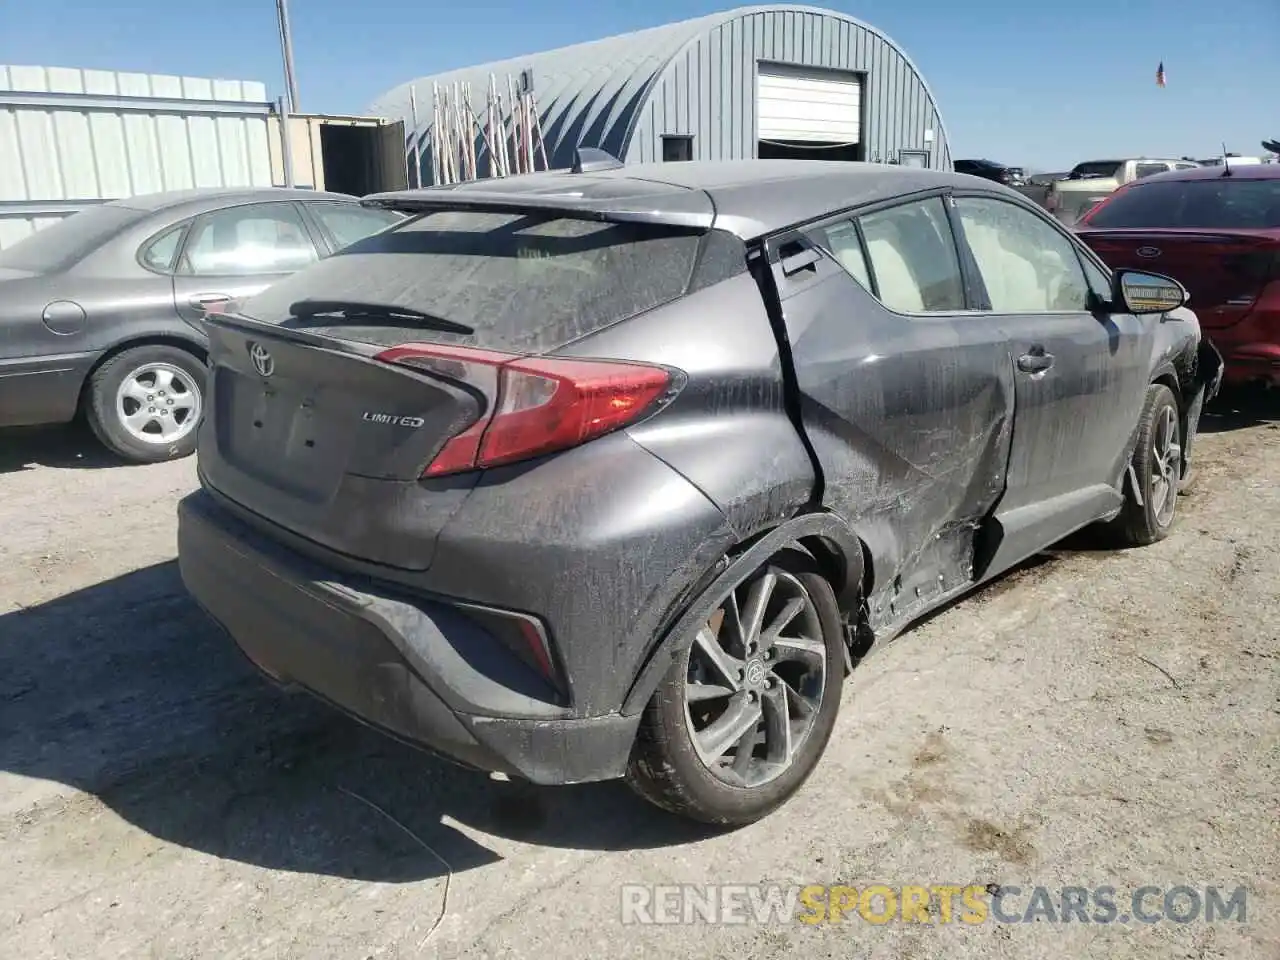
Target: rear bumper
[419, 669]
[1250, 348]
[1252, 363]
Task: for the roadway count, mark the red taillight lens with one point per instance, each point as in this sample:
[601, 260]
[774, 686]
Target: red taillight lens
[544, 403]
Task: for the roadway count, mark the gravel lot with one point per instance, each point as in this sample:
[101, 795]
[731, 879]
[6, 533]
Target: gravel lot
[1095, 718]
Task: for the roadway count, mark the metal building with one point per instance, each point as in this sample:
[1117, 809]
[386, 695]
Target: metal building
[71, 138]
[766, 81]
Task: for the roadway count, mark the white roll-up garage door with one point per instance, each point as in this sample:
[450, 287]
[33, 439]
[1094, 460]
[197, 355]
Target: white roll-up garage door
[794, 103]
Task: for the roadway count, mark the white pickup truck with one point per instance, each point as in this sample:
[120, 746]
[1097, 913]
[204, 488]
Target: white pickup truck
[1090, 183]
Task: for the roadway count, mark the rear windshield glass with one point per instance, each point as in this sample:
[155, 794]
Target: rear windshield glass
[58, 246]
[529, 283]
[1219, 204]
[1095, 168]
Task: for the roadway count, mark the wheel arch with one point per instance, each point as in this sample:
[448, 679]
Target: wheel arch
[838, 551]
[189, 344]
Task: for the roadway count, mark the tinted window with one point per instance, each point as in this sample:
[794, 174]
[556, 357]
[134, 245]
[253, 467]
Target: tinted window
[1095, 168]
[841, 240]
[62, 244]
[1224, 203]
[349, 222]
[260, 238]
[1026, 265]
[521, 282]
[158, 254]
[913, 257]
[1149, 169]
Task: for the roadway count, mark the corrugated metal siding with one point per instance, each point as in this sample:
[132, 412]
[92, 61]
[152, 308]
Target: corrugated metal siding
[708, 90]
[698, 77]
[64, 155]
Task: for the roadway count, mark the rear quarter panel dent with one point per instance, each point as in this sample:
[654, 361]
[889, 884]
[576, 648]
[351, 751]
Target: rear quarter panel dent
[600, 541]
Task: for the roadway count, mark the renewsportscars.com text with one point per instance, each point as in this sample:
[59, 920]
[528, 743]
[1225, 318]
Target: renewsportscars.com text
[928, 903]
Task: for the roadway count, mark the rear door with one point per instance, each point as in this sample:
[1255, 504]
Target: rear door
[1081, 377]
[906, 394]
[236, 252]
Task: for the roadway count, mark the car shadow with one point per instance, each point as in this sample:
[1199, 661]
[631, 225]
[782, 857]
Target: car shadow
[126, 691]
[1239, 408]
[72, 446]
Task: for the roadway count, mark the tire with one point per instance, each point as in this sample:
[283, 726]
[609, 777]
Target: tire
[1141, 524]
[668, 768]
[122, 392]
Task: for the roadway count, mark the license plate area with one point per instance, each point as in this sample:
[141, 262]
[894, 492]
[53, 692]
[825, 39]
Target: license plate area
[282, 434]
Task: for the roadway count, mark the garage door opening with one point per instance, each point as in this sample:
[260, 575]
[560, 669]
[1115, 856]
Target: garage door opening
[799, 150]
[804, 113]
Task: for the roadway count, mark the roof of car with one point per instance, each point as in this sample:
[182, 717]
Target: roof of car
[728, 191]
[220, 196]
[1242, 171]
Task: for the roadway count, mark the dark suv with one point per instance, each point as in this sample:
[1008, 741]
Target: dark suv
[575, 476]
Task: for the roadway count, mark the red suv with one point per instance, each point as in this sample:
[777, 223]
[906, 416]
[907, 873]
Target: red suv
[1217, 231]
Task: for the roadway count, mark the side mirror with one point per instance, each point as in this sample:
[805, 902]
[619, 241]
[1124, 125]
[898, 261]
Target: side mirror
[1139, 292]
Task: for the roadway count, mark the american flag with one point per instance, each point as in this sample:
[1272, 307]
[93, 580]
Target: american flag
[1160, 74]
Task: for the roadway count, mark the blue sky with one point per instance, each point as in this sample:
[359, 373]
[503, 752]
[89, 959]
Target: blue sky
[1038, 83]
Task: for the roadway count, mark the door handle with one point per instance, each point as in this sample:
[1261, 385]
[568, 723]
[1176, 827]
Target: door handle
[202, 301]
[1035, 362]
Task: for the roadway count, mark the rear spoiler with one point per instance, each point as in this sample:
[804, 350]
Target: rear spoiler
[689, 208]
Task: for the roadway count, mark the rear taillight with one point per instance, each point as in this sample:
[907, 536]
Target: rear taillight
[544, 404]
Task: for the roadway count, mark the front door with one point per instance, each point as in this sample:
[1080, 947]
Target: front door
[1079, 374]
[906, 394]
[233, 253]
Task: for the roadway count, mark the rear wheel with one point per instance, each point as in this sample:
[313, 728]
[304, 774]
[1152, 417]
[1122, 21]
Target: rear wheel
[741, 720]
[145, 402]
[1157, 466]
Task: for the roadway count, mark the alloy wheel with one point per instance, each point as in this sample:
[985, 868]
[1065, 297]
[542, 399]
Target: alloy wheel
[756, 678]
[1166, 467]
[158, 403]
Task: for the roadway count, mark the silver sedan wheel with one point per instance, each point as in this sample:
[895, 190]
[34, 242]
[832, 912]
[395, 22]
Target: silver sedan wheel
[756, 679]
[158, 403]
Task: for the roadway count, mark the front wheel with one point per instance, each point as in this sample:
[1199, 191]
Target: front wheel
[145, 402]
[740, 721]
[1148, 512]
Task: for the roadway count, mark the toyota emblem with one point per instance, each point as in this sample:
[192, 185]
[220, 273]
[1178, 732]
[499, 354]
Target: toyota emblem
[1148, 253]
[263, 362]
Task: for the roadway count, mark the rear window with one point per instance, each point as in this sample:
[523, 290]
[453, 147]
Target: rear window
[1220, 204]
[1095, 168]
[68, 241]
[527, 283]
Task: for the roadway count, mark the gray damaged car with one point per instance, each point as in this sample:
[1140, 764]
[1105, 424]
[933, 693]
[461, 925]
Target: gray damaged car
[619, 472]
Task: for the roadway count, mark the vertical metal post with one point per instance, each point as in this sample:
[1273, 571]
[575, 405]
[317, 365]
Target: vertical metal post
[286, 143]
[286, 50]
[413, 160]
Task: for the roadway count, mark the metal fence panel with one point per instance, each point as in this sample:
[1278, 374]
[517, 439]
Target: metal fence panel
[70, 138]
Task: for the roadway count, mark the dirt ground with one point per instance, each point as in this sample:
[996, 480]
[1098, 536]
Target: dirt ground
[1095, 718]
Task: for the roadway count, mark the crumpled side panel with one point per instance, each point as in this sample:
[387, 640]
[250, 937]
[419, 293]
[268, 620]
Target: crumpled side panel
[910, 420]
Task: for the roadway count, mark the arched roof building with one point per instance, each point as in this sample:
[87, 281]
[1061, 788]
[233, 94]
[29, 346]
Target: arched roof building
[768, 81]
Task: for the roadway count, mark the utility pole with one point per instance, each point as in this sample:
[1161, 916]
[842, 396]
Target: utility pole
[286, 50]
